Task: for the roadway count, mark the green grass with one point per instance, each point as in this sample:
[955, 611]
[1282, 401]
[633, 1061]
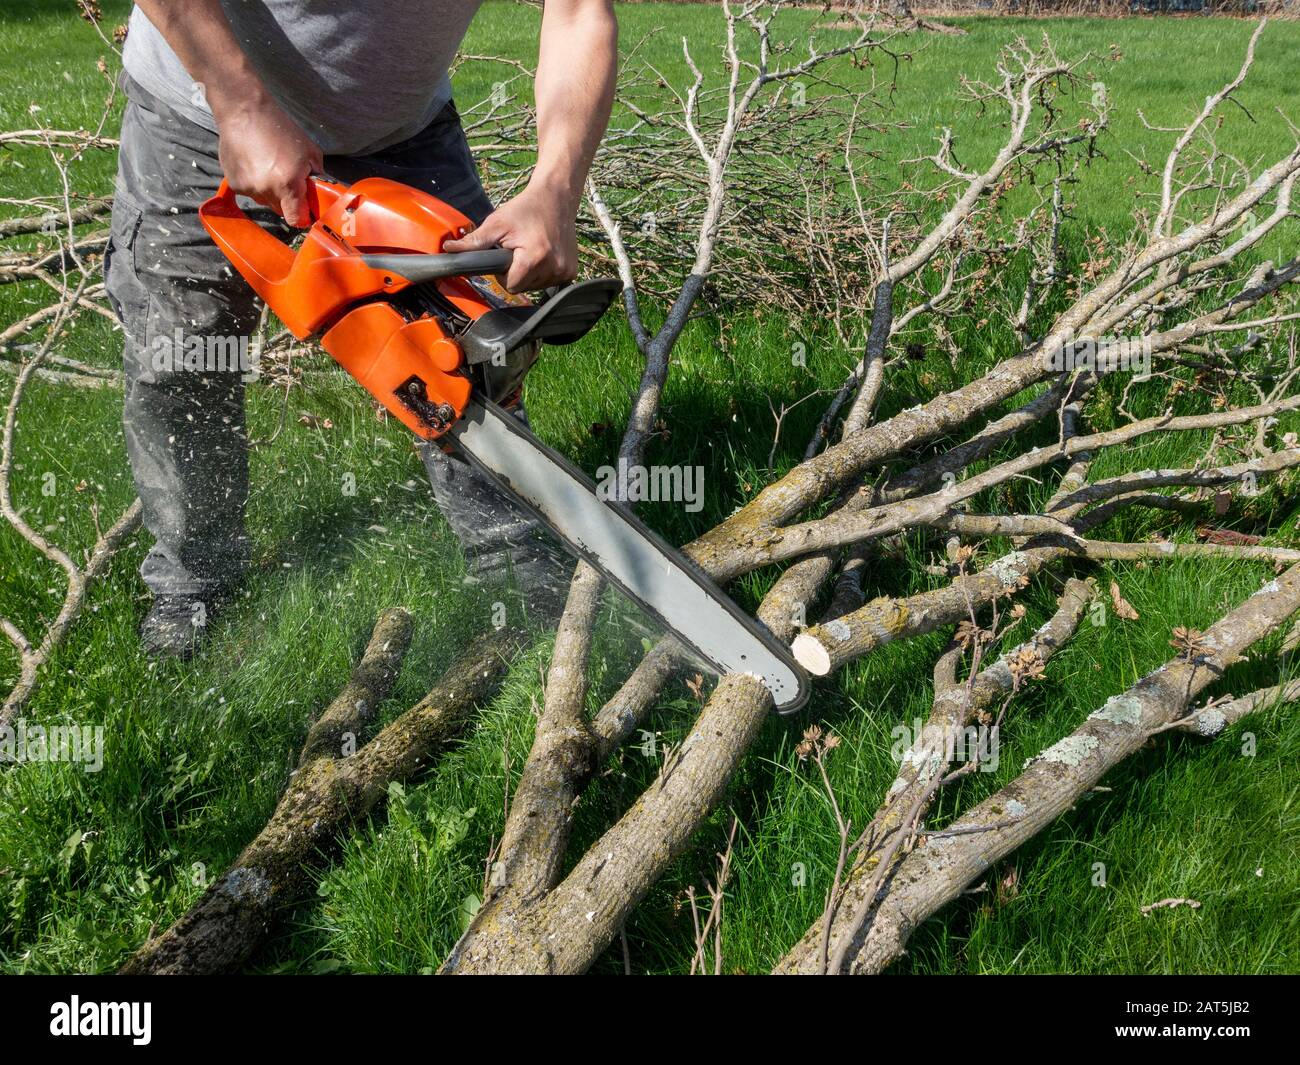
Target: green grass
[198, 754]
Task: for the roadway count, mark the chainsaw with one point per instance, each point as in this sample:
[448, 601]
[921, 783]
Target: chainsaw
[445, 348]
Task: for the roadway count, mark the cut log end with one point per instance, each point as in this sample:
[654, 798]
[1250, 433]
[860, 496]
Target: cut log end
[810, 653]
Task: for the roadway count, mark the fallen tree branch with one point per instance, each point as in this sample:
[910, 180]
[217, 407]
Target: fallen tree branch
[33, 657]
[938, 870]
[334, 734]
[87, 212]
[1213, 719]
[327, 796]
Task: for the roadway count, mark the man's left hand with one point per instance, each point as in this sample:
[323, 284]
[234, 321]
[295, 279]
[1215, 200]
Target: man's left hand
[538, 227]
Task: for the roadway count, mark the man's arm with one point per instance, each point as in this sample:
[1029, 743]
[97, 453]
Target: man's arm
[576, 69]
[264, 153]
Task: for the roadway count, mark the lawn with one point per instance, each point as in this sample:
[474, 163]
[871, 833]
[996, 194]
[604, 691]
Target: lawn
[197, 754]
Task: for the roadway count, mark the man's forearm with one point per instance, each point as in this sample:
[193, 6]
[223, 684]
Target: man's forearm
[576, 71]
[263, 152]
[200, 35]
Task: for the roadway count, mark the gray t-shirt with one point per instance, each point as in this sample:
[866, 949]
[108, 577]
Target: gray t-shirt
[357, 75]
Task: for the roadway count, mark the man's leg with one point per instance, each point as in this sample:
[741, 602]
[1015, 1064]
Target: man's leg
[184, 313]
[502, 541]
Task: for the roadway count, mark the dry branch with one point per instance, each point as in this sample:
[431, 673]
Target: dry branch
[335, 732]
[533, 846]
[33, 657]
[87, 212]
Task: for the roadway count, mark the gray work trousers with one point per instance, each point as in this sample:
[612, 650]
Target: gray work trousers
[170, 286]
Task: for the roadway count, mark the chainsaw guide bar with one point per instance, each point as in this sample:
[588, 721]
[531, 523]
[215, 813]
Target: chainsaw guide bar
[632, 557]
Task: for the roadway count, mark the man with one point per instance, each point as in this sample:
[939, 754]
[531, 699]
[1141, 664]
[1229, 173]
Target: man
[266, 92]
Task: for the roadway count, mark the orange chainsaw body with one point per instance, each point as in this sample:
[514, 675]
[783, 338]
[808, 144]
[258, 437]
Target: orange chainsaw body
[326, 288]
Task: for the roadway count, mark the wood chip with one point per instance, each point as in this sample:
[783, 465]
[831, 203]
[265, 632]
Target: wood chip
[1123, 608]
[1169, 904]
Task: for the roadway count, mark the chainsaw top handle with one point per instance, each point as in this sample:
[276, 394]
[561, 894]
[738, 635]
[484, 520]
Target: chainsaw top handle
[311, 287]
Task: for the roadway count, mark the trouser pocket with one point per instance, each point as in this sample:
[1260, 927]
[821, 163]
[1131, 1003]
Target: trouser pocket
[125, 293]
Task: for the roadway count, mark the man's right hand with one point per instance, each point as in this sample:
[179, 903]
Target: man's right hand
[266, 156]
[264, 153]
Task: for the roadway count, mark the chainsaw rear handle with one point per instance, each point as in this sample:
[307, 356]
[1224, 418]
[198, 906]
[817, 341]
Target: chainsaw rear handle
[262, 260]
